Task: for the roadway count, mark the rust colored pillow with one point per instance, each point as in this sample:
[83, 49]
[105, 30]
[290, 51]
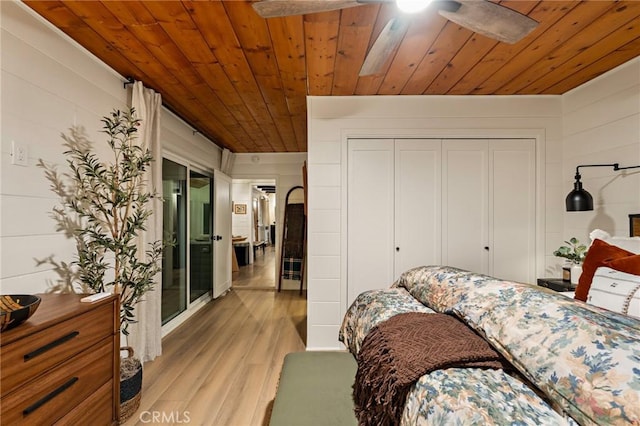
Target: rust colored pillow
[629, 264]
[599, 253]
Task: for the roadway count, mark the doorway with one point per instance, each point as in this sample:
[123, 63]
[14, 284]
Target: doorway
[254, 234]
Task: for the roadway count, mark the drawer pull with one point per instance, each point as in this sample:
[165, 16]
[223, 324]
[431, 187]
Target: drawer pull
[51, 345]
[49, 397]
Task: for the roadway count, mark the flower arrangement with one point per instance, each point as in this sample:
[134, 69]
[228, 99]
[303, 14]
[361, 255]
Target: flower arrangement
[574, 251]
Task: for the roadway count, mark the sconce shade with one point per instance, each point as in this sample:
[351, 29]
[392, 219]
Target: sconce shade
[579, 200]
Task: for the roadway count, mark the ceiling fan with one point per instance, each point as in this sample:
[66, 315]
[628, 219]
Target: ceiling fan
[481, 16]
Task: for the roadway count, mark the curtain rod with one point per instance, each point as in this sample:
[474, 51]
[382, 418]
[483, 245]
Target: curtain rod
[129, 80]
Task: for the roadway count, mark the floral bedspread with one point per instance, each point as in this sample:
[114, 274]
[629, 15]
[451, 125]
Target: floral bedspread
[584, 360]
[473, 396]
[373, 307]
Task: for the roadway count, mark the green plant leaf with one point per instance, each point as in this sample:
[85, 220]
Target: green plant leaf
[108, 203]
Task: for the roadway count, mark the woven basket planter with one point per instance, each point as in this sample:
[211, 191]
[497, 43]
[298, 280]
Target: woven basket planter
[130, 384]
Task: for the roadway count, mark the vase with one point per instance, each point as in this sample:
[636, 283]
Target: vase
[576, 271]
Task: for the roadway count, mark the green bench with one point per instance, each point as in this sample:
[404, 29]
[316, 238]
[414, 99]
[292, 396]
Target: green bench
[315, 389]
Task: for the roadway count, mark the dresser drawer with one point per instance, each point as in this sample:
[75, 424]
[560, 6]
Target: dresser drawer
[96, 410]
[50, 346]
[49, 397]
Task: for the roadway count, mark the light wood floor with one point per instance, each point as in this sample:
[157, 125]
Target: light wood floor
[221, 367]
[260, 274]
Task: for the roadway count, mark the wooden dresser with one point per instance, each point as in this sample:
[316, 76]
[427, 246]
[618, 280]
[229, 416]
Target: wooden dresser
[62, 365]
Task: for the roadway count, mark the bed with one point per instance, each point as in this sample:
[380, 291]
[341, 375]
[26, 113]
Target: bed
[570, 362]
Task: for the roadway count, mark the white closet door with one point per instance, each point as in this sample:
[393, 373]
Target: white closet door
[512, 209]
[370, 216]
[468, 203]
[465, 242]
[417, 203]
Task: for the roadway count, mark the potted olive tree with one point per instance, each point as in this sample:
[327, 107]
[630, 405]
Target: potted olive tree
[104, 208]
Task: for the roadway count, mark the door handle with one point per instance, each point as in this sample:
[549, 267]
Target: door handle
[217, 237]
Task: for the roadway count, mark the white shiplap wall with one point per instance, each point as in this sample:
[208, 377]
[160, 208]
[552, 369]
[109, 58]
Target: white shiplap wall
[602, 125]
[49, 84]
[332, 120]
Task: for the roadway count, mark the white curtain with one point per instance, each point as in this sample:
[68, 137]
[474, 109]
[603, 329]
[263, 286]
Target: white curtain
[145, 336]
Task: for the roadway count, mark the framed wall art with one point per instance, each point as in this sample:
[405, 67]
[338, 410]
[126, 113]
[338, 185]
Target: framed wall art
[240, 208]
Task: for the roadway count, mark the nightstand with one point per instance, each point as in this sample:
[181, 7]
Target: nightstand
[556, 284]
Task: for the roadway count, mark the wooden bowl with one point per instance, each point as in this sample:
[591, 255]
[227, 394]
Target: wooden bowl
[16, 309]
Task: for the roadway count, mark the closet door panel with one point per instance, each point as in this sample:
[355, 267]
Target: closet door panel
[512, 209]
[465, 195]
[417, 203]
[467, 203]
[370, 215]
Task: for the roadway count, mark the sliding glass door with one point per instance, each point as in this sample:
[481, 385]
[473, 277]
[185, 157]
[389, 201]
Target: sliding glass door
[201, 232]
[174, 262]
[187, 267]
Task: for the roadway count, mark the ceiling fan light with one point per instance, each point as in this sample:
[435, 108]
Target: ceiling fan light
[412, 6]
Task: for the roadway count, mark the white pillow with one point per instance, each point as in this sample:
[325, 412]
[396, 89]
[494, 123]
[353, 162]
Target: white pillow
[631, 244]
[616, 291]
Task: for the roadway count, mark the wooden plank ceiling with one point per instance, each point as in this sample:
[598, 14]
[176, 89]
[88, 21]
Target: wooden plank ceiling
[241, 80]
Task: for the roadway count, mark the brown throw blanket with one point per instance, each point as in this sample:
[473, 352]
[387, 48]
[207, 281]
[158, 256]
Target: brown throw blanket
[397, 352]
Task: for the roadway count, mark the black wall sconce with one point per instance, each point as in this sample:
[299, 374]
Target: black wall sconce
[579, 200]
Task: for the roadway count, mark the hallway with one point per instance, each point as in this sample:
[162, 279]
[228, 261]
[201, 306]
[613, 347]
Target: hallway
[259, 275]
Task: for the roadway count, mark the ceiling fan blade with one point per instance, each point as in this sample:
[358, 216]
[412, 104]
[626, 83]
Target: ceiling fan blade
[277, 8]
[490, 19]
[388, 40]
